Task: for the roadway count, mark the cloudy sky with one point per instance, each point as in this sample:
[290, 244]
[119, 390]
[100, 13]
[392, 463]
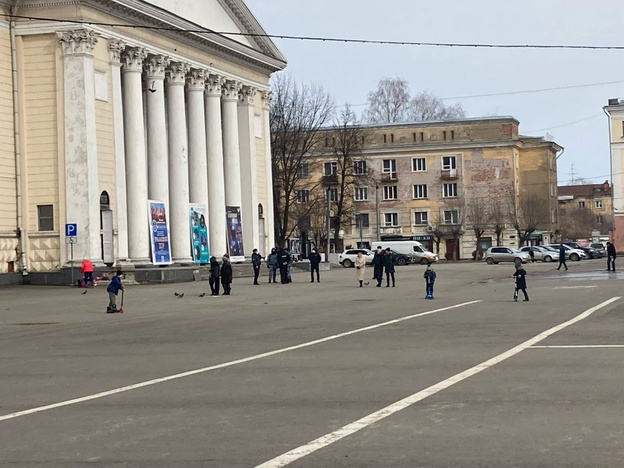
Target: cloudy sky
[573, 115]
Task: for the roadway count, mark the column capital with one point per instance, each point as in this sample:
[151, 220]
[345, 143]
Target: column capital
[176, 73]
[155, 66]
[214, 84]
[132, 59]
[78, 41]
[231, 88]
[115, 49]
[247, 95]
[266, 96]
[196, 79]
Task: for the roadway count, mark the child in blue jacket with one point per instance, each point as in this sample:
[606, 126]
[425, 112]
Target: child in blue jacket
[430, 277]
[113, 288]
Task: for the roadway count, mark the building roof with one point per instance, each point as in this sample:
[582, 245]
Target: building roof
[588, 190]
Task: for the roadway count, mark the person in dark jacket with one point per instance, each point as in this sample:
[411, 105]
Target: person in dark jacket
[272, 265]
[430, 277]
[562, 259]
[113, 289]
[389, 267]
[256, 261]
[283, 259]
[315, 260]
[226, 275]
[610, 257]
[378, 265]
[520, 275]
[213, 279]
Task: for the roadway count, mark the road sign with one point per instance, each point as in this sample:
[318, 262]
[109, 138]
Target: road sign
[71, 240]
[71, 230]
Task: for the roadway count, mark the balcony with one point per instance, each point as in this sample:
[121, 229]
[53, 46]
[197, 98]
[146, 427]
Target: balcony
[449, 174]
[329, 180]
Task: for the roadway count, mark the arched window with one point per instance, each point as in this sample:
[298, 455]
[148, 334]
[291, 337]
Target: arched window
[104, 200]
[260, 211]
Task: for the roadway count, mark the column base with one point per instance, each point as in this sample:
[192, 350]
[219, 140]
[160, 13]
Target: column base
[183, 261]
[140, 262]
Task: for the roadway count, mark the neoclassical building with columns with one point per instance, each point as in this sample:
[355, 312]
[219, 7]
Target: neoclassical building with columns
[107, 104]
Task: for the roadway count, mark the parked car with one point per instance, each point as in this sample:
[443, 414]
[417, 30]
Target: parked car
[598, 247]
[589, 251]
[347, 258]
[541, 253]
[505, 254]
[401, 258]
[414, 249]
[574, 255]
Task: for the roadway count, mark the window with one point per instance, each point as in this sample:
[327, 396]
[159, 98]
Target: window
[419, 164]
[420, 191]
[451, 217]
[303, 196]
[333, 194]
[361, 220]
[599, 219]
[303, 170]
[360, 193]
[330, 168]
[421, 218]
[45, 217]
[389, 167]
[581, 204]
[391, 219]
[448, 163]
[359, 167]
[598, 203]
[444, 135]
[449, 190]
[390, 192]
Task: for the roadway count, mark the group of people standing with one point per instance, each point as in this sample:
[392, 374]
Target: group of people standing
[383, 260]
[221, 272]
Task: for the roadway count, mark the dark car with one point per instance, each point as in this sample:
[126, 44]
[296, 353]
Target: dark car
[400, 258]
[590, 251]
[598, 247]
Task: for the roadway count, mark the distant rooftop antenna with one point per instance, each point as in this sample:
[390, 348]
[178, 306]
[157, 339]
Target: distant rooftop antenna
[572, 179]
[549, 137]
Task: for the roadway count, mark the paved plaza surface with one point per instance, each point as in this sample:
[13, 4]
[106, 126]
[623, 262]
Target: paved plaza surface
[319, 375]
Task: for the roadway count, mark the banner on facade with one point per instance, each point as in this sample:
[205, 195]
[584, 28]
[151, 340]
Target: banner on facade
[199, 233]
[159, 233]
[234, 233]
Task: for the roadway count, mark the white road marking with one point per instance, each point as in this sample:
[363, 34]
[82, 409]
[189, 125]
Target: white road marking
[223, 365]
[574, 287]
[366, 421]
[579, 346]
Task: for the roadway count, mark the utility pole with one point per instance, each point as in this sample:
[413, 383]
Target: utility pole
[377, 211]
[328, 220]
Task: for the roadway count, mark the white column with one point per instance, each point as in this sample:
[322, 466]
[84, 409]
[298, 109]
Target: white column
[231, 150]
[115, 48]
[216, 181]
[198, 168]
[81, 164]
[157, 152]
[136, 164]
[249, 171]
[269, 226]
[179, 223]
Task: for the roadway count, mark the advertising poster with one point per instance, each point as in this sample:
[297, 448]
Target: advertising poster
[199, 234]
[234, 233]
[159, 233]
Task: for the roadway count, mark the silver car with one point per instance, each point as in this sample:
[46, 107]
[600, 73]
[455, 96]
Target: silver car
[541, 253]
[505, 254]
[571, 254]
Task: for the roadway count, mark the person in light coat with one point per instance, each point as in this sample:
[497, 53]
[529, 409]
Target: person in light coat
[360, 267]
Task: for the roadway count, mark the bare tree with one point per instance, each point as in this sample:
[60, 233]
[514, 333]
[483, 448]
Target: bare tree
[478, 216]
[437, 231]
[427, 106]
[528, 212]
[392, 102]
[454, 219]
[498, 218]
[297, 113]
[576, 223]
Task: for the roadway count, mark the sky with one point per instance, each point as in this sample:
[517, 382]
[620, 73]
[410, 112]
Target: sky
[572, 116]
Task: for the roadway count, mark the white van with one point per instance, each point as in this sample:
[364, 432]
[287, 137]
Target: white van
[414, 249]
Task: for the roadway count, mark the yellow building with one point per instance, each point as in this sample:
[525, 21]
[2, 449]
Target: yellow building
[615, 112]
[96, 120]
[425, 180]
[595, 198]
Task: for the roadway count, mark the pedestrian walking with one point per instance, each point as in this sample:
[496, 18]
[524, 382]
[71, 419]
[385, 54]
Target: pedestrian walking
[226, 275]
[360, 266]
[430, 277]
[562, 257]
[378, 265]
[256, 261]
[271, 262]
[315, 260]
[213, 279]
[283, 258]
[532, 254]
[610, 257]
[288, 266]
[520, 275]
[113, 289]
[389, 267]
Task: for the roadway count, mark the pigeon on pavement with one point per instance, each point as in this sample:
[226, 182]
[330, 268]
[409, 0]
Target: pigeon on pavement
[84, 293]
[202, 295]
[180, 296]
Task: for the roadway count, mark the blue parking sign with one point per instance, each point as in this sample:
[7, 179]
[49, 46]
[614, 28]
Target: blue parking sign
[71, 230]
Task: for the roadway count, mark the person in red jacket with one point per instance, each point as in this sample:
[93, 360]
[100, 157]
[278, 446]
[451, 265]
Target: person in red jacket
[87, 272]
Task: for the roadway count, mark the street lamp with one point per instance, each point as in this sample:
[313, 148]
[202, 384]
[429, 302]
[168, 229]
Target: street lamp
[377, 211]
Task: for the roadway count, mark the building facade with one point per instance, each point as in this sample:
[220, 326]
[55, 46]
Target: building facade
[143, 103]
[430, 181]
[615, 112]
[595, 199]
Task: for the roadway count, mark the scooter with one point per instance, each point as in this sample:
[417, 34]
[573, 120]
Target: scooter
[120, 309]
[515, 294]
